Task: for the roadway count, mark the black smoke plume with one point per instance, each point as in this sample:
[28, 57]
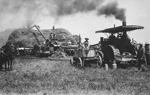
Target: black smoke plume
[25, 13]
[28, 12]
[112, 9]
[20, 12]
[69, 7]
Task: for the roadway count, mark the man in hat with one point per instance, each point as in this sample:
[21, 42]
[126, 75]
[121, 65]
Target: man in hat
[141, 58]
[86, 45]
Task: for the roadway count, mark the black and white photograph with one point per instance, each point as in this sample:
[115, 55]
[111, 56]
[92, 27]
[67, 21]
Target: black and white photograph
[74, 47]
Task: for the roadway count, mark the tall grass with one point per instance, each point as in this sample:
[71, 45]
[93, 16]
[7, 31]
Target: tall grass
[33, 75]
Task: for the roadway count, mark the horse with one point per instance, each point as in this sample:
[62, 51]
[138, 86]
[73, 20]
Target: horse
[3, 60]
[8, 57]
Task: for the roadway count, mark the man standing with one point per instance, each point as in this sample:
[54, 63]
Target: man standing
[141, 58]
[147, 53]
[86, 45]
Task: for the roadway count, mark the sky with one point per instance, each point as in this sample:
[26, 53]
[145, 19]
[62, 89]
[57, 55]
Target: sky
[82, 17]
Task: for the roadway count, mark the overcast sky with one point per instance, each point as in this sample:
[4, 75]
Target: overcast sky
[81, 22]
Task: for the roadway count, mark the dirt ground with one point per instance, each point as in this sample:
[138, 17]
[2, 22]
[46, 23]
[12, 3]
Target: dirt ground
[49, 77]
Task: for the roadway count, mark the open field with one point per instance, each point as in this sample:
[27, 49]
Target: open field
[45, 77]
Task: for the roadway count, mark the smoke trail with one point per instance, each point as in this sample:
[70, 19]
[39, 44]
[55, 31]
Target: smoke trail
[29, 12]
[25, 13]
[69, 7]
[111, 9]
[20, 12]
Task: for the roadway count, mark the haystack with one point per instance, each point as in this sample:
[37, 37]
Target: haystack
[24, 37]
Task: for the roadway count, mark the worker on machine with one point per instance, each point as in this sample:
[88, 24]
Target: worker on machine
[112, 39]
[125, 37]
[52, 35]
[126, 45]
[86, 46]
[53, 27]
[47, 42]
[69, 42]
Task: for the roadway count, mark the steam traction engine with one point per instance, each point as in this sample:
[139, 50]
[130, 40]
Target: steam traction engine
[118, 46]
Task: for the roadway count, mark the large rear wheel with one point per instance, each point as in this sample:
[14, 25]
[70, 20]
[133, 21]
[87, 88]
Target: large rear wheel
[110, 54]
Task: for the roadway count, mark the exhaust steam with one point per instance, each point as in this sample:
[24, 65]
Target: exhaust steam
[111, 9]
[20, 13]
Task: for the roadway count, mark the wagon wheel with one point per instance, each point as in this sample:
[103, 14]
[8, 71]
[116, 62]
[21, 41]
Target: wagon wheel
[80, 62]
[99, 61]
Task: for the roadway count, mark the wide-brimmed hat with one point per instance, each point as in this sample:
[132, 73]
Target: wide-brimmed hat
[86, 38]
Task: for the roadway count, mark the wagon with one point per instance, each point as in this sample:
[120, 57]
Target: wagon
[80, 59]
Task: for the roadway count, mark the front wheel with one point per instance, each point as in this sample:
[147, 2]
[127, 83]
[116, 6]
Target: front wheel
[99, 61]
[71, 61]
[81, 64]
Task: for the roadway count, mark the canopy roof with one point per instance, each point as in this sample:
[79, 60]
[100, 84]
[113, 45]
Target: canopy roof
[120, 29]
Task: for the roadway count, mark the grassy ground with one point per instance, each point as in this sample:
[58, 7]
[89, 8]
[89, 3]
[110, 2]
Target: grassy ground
[45, 77]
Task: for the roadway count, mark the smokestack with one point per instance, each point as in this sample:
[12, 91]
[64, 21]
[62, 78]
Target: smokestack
[124, 23]
[124, 32]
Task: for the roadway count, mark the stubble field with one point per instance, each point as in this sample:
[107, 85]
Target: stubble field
[47, 77]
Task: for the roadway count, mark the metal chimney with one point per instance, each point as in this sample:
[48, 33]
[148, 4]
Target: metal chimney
[124, 32]
[124, 23]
